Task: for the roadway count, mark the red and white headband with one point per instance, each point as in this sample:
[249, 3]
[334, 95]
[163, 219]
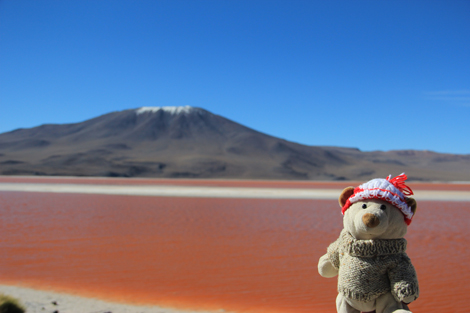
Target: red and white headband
[391, 190]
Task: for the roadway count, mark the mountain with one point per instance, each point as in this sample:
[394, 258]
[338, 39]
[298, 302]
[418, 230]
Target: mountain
[192, 142]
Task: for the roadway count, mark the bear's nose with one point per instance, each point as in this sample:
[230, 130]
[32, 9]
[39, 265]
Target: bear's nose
[370, 220]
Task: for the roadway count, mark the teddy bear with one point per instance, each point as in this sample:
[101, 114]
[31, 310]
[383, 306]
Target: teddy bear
[374, 272]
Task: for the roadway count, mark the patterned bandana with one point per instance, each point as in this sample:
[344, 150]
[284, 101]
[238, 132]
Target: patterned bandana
[391, 190]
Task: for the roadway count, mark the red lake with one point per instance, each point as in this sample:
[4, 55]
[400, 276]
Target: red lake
[243, 255]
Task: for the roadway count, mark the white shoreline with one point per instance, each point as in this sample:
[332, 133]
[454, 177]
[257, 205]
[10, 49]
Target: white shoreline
[213, 192]
[38, 301]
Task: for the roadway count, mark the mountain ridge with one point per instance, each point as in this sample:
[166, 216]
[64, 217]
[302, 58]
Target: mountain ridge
[192, 142]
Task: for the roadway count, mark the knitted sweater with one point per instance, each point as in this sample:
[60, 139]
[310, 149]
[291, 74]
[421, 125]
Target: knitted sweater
[371, 268]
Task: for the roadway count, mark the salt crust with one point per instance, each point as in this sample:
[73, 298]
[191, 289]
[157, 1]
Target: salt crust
[215, 192]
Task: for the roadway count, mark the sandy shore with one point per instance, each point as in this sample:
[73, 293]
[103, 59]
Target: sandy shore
[36, 301]
[214, 192]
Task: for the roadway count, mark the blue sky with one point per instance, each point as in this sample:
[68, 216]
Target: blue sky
[375, 75]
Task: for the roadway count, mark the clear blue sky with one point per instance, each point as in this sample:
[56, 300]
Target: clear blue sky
[376, 75]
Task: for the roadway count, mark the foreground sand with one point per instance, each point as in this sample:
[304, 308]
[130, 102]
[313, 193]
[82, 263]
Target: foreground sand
[36, 301]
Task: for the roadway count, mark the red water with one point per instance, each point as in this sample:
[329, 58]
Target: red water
[245, 255]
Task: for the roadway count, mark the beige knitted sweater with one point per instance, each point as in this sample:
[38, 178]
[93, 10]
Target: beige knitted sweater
[371, 268]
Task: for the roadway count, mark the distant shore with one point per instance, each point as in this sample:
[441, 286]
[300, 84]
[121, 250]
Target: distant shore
[37, 301]
[217, 188]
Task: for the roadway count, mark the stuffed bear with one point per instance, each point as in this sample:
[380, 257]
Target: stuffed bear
[374, 272]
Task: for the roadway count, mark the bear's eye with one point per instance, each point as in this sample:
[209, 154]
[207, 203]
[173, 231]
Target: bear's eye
[383, 207]
[364, 206]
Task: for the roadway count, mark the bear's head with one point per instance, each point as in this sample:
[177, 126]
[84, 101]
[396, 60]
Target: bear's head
[378, 209]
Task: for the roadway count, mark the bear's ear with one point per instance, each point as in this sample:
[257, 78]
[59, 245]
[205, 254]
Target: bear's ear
[345, 194]
[412, 204]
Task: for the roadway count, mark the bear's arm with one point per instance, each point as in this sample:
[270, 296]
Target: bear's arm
[333, 253]
[326, 268]
[328, 265]
[403, 280]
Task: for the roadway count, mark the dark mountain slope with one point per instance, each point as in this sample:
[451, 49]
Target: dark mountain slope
[192, 142]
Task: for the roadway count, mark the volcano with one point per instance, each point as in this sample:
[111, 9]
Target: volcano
[177, 142]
